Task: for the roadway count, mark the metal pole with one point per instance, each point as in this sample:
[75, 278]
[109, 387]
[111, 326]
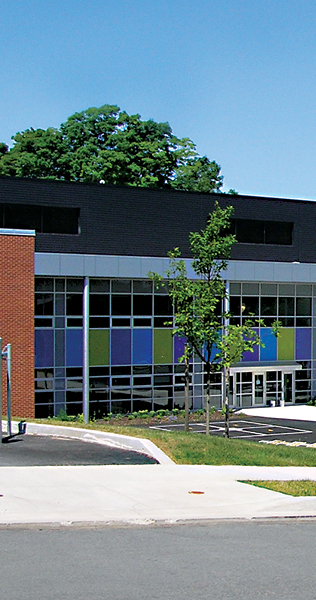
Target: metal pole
[85, 395]
[0, 392]
[8, 357]
[226, 369]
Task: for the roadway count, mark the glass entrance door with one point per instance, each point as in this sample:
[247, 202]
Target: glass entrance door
[259, 389]
[288, 387]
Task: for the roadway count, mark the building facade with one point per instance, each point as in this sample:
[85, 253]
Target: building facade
[100, 326]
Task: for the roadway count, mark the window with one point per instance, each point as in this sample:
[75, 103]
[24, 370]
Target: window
[44, 219]
[251, 231]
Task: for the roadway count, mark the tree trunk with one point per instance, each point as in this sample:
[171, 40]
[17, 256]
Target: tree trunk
[207, 400]
[226, 379]
[186, 392]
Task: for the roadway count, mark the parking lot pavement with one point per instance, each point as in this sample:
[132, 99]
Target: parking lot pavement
[255, 429]
[36, 450]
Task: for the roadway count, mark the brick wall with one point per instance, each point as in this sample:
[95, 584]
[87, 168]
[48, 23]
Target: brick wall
[17, 319]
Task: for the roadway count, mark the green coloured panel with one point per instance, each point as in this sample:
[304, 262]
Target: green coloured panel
[162, 346]
[286, 344]
[99, 347]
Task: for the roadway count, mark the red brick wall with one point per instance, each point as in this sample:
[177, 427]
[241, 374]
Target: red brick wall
[17, 320]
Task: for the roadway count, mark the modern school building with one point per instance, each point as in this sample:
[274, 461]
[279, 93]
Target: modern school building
[85, 321]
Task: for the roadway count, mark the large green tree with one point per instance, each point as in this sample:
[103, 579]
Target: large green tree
[106, 144]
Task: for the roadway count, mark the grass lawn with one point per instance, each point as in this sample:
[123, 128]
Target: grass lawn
[198, 449]
[302, 487]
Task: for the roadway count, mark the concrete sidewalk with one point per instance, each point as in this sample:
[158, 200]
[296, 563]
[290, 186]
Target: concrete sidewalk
[145, 494]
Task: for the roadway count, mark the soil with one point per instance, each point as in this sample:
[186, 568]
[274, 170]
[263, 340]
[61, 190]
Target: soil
[151, 421]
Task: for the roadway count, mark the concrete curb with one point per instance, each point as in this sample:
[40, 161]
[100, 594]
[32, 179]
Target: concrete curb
[114, 440]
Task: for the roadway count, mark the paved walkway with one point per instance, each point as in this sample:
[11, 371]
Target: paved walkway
[147, 493]
[293, 413]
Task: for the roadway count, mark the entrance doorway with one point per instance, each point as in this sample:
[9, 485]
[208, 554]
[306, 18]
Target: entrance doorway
[261, 386]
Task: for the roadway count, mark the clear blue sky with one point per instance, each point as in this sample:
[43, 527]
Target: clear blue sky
[236, 76]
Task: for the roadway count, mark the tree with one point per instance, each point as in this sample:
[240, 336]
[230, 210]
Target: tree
[200, 314]
[108, 144]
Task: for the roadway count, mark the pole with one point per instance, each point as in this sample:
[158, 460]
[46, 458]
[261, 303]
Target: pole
[0, 392]
[85, 395]
[226, 369]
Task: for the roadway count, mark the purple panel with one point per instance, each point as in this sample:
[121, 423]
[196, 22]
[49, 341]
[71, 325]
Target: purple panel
[74, 347]
[178, 348]
[303, 345]
[120, 347]
[44, 348]
[142, 346]
[252, 356]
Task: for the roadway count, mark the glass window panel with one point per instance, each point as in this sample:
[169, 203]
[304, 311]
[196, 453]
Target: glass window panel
[303, 345]
[99, 347]
[303, 307]
[74, 304]
[72, 322]
[44, 348]
[59, 285]
[287, 289]
[163, 346]
[163, 380]
[72, 384]
[286, 307]
[249, 231]
[303, 289]
[99, 285]
[268, 306]
[251, 304]
[142, 305]
[286, 344]
[287, 321]
[43, 322]
[60, 304]
[142, 322]
[235, 289]
[142, 369]
[303, 322]
[162, 305]
[278, 233]
[163, 322]
[142, 346]
[121, 286]
[44, 284]
[142, 287]
[118, 381]
[74, 372]
[121, 322]
[121, 370]
[99, 304]
[99, 371]
[162, 369]
[74, 347]
[269, 289]
[121, 305]
[235, 305]
[121, 347]
[142, 380]
[99, 322]
[44, 304]
[250, 289]
[74, 285]
[58, 219]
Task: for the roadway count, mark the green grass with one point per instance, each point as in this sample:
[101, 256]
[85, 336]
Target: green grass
[197, 449]
[301, 487]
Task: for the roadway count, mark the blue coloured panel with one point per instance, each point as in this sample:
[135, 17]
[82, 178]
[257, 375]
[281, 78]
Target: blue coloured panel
[74, 348]
[178, 348]
[142, 346]
[303, 345]
[120, 347]
[252, 356]
[44, 348]
[269, 352]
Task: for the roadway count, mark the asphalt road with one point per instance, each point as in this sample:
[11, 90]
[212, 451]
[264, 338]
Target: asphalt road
[217, 560]
[255, 429]
[35, 450]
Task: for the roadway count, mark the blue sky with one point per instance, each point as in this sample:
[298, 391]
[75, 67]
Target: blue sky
[236, 76]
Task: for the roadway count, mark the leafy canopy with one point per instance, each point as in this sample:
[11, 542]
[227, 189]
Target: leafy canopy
[106, 144]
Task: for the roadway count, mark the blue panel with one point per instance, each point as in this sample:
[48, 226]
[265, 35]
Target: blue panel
[269, 352]
[252, 356]
[142, 346]
[120, 347]
[44, 348]
[303, 346]
[74, 348]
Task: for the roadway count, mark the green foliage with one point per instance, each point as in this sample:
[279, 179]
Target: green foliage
[106, 144]
[80, 418]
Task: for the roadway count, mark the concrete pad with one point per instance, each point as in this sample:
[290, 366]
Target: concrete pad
[297, 412]
[145, 494]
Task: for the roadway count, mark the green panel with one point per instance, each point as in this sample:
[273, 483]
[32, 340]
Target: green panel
[286, 344]
[162, 346]
[99, 347]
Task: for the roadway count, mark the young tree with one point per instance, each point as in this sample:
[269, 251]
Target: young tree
[200, 312]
